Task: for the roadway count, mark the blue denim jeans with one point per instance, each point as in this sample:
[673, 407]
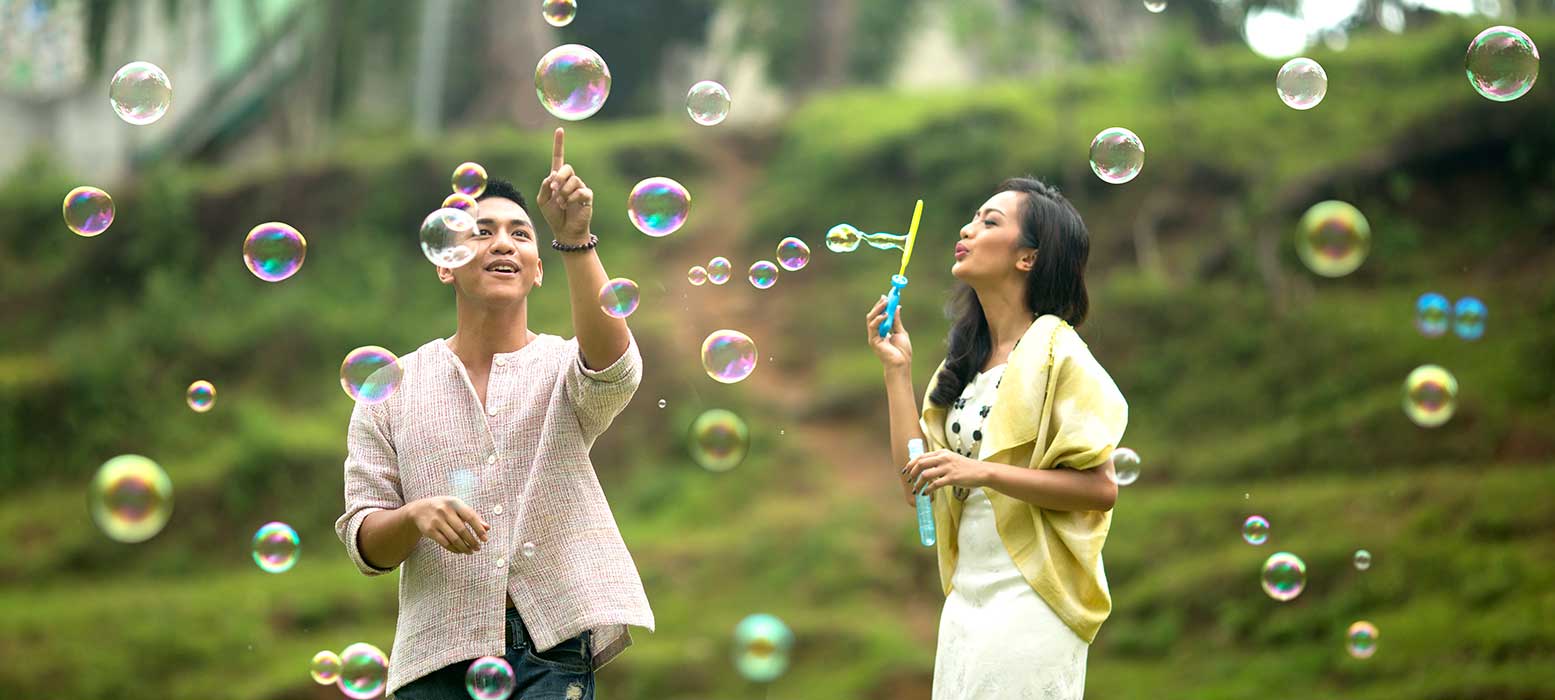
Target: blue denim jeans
[563, 672]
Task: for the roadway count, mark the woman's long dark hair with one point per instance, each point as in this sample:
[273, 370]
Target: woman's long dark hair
[1055, 285]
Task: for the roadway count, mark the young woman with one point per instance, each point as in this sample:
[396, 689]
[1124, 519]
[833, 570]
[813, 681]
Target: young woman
[1019, 422]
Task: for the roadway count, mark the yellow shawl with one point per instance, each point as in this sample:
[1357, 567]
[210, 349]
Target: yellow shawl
[1055, 406]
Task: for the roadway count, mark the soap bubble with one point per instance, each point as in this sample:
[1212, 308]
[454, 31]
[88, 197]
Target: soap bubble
[793, 254]
[201, 396]
[325, 667]
[763, 274]
[728, 356]
[663, 403]
[1333, 238]
[462, 202]
[843, 238]
[447, 237]
[275, 547]
[1361, 640]
[559, 13]
[1431, 314]
[572, 82]
[697, 275]
[1301, 83]
[1430, 396]
[718, 440]
[619, 297]
[131, 498]
[363, 670]
[708, 103]
[528, 550]
[719, 269]
[1468, 318]
[1155, 5]
[469, 179]
[140, 93]
[761, 646]
[1125, 466]
[490, 678]
[274, 251]
[1284, 576]
[658, 206]
[370, 374]
[1362, 560]
[1255, 529]
[88, 211]
[1502, 63]
[1117, 155]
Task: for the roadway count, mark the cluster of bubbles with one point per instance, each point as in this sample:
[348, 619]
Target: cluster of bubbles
[1430, 396]
[761, 647]
[1301, 83]
[658, 206]
[140, 93]
[1284, 576]
[1117, 155]
[131, 498]
[1333, 238]
[718, 440]
[572, 82]
[1125, 466]
[490, 678]
[559, 13]
[201, 396]
[370, 374]
[1434, 314]
[619, 297]
[1255, 530]
[274, 251]
[364, 669]
[729, 356]
[88, 211]
[276, 547]
[708, 103]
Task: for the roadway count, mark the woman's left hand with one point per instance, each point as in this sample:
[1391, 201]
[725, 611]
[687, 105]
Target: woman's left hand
[931, 471]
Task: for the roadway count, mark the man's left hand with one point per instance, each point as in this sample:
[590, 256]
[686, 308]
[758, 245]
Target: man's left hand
[566, 203]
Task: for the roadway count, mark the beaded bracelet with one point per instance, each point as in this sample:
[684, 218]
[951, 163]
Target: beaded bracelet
[558, 245]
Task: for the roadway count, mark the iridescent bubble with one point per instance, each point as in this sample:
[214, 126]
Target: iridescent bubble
[1430, 396]
[708, 103]
[728, 356]
[1362, 560]
[559, 13]
[1155, 5]
[761, 647]
[462, 202]
[663, 403]
[1333, 238]
[697, 275]
[140, 93]
[469, 179]
[1432, 313]
[1468, 318]
[1301, 83]
[763, 274]
[658, 206]
[275, 547]
[490, 678]
[1117, 155]
[719, 270]
[572, 82]
[793, 254]
[88, 211]
[1361, 639]
[448, 237]
[1502, 63]
[201, 396]
[274, 251]
[528, 550]
[1255, 529]
[363, 670]
[718, 440]
[1284, 576]
[1125, 466]
[370, 374]
[843, 238]
[131, 498]
[619, 297]
[325, 667]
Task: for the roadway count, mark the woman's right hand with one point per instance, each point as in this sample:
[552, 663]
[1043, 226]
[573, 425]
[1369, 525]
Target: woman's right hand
[450, 523]
[895, 350]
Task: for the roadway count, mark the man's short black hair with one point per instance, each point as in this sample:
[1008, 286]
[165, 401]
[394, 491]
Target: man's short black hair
[505, 190]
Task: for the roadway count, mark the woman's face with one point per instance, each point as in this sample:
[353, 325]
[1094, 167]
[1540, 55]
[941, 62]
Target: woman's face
[989, 249]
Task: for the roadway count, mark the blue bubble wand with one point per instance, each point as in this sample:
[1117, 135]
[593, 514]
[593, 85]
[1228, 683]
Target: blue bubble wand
[899, 280]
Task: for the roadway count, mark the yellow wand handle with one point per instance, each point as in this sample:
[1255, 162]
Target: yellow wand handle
[912, 235]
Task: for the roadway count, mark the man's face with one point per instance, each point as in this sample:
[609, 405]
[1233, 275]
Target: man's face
[507, 259]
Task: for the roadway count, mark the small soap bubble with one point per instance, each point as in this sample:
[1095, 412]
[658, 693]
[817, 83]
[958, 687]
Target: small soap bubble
[559, 13]
[1361, 640]
[1156, 6]
[793, 254]
[719, 270]
[761, 647]
[275, 547]
[1430, 396]
[572, 82]
[1333, 238]
[140, 93]
[843, 238]
[1117, 155]
[1284, 576]
[528, 550]
[1255, 530]
[1432, 314]
[274, 251]
[619, 297]
[363, 670]
[201, 396]
[1362, 560]
[1468, 318]
[1125, 466]
[697, 275]
[448, 237]
[489, 678]
[658, 206]
[370, 374]
[462, 202]
[708, 103]
[763, 274]
[88, 211]
[718, 440]
[131, 498]
[663, 403]
[325, 667]
[469, 179]
[1301, 83]
[1502, 63]
[728, 355]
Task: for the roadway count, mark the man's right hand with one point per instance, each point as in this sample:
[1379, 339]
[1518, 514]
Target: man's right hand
[450, 523]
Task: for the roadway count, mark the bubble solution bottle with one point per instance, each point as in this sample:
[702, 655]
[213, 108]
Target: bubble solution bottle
[925, 508]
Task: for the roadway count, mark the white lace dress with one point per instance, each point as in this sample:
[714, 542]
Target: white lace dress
[997, 638]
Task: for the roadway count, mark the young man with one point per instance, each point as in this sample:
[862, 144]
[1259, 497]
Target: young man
[504, 418]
